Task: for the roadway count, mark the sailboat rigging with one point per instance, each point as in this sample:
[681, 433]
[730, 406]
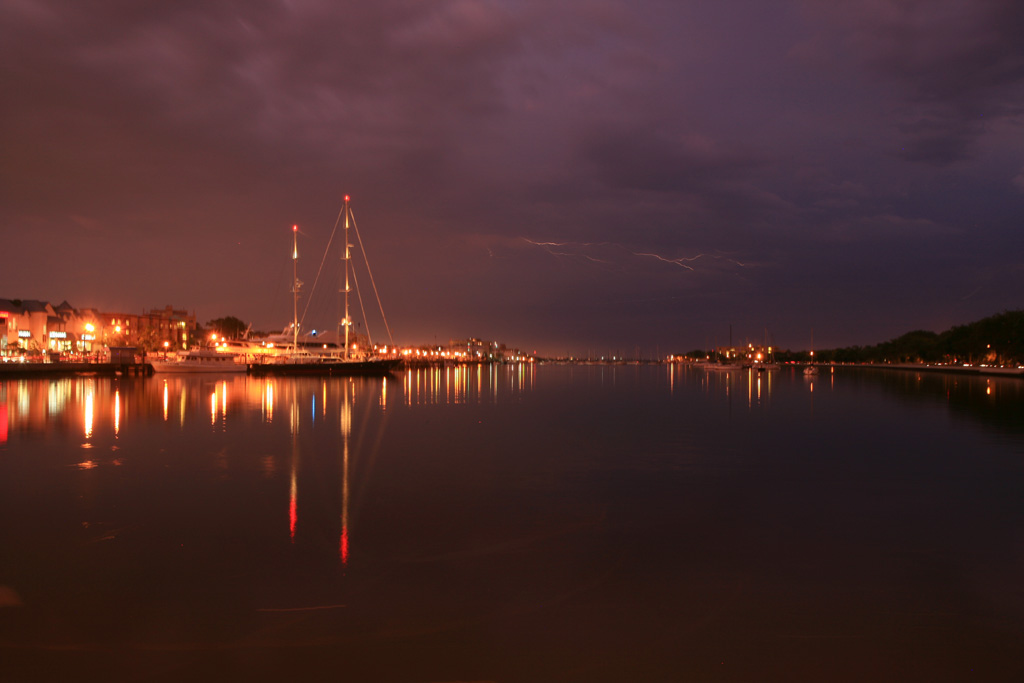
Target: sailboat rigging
[347, 363]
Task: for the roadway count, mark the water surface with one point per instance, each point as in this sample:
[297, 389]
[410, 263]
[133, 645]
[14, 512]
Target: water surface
[513, 523]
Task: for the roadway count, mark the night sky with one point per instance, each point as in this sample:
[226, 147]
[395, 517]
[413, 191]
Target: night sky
[565, 177]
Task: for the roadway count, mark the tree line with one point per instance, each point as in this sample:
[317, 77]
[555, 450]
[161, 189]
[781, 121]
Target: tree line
[995, 340]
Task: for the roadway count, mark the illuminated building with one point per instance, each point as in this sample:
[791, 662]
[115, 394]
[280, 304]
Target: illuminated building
[150, 330]
[31, 327]
[25, 326]
[751, 354]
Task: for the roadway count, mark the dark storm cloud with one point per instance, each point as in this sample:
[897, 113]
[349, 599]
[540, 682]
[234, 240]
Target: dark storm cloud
[960, 66]
[642, 160]
[698, 163]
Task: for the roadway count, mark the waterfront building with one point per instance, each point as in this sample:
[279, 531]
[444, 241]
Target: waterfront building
[474, 349]
[751, 354]
[24, 326]
[150, 330]
[32, 327]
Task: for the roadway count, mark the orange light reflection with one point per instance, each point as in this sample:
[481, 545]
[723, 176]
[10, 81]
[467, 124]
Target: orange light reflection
[88, 413]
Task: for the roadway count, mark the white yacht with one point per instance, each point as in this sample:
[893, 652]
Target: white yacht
[199, 360]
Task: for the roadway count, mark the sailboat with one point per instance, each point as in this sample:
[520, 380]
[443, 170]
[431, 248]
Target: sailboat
[768, 361]
[298, 361]
[811, 368]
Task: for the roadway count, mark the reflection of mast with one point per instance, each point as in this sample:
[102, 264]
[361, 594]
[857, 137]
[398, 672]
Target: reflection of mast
[293, 494]
[346, 430]
[812, 397]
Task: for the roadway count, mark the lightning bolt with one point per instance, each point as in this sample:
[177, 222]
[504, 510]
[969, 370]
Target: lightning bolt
[558, 249]
[673, 261]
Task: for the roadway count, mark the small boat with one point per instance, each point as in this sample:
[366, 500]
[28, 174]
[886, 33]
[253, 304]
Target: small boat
[719, 367]
[765, 359]
[199, 360]
[300, 361]
[811, 368]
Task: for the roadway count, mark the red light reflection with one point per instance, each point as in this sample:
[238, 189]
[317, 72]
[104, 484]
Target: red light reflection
[293, 516]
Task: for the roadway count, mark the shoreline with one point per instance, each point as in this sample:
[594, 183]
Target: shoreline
[951, 369]
[29, 370]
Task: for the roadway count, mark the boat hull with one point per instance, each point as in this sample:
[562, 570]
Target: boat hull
[366, 368]
[199, 367]
[720, 367]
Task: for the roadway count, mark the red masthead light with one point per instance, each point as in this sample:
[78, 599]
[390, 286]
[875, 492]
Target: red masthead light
[295, 228]
[346, 198]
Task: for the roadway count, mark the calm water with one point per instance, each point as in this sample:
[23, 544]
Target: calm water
[522, 523]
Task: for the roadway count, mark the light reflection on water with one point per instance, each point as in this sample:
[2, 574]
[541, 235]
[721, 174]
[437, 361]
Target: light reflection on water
[460, 384]
[88, 414]
[513, 523]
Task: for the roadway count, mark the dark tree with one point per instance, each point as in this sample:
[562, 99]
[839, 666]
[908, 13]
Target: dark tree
[997, 339]
[228, 327]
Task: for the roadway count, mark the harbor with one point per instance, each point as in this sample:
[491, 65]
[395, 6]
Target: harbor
[505, 522]
[675, 341]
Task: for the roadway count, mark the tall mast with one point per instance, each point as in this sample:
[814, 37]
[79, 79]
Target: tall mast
[295, 288]
[345, 321]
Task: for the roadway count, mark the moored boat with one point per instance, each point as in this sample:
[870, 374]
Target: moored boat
[328, 366]
[303, 362]
[198, 360]
[719, 367]
[811, 368]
